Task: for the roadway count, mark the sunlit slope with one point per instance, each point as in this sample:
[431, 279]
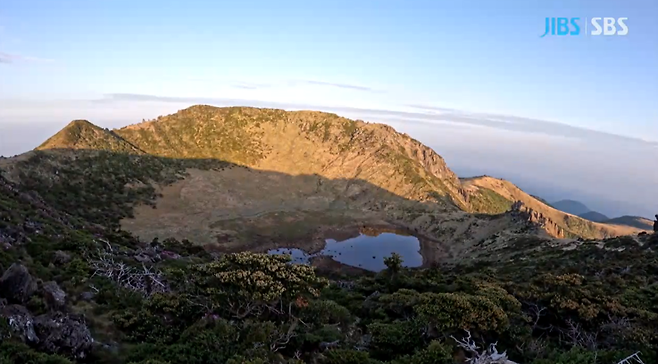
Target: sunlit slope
[571, 225]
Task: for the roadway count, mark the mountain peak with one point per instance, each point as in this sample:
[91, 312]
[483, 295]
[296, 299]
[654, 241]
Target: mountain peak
[80, 123]
[77, 128]
[82, 134]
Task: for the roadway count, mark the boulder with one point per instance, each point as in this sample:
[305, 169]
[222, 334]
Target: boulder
[87, 296]
[17, 285]
[21, 323]
[328, 345]
[143, 258]
[64, 334]
[61, 257]
[55, 297]
[170, 255]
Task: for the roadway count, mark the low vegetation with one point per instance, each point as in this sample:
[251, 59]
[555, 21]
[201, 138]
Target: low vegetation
[75, 288]
[487, 201]
[102, 187]
[174, 302]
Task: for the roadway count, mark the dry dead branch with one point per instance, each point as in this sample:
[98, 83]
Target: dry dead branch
[145, 279]
[487, 356]
[635, 358]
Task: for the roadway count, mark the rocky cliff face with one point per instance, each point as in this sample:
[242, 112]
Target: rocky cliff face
[537, 219]
[433, 162]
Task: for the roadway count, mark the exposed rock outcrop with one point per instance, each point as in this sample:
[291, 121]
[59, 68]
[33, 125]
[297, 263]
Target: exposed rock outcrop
[537, 219]
[63, 333]
[55, 297]
[17, 285]
[54, 332]
[21, 323]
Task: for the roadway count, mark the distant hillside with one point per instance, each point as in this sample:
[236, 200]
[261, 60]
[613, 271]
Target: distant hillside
[635, 221]
[579, 209]
[571, 207]
[594, 216]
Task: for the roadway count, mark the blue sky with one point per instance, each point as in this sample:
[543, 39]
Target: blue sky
[474, 55]
[403, 62]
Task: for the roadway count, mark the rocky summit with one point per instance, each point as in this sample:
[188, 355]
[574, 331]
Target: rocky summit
[147, 244]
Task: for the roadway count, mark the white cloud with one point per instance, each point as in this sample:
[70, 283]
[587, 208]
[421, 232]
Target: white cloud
[17, 58]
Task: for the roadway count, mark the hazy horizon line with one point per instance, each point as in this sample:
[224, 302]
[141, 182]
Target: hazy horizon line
[412, 113]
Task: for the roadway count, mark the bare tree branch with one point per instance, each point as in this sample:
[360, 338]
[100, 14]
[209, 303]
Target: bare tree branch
[577, 336]
[635, 358]
[146, 280]
[487, 356]
[282, 339]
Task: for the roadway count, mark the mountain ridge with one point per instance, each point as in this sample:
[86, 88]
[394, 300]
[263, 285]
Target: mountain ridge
[310, 142]
[243, 141]
[565, 224]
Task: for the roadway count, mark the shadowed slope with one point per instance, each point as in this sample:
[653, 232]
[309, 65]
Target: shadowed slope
[606, 286]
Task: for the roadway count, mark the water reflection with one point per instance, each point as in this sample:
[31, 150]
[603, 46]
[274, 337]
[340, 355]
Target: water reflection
[365, 251]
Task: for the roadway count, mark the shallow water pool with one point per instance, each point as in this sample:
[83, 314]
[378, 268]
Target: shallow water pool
[364, 251]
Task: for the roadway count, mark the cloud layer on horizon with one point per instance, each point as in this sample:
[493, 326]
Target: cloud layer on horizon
[292, 83]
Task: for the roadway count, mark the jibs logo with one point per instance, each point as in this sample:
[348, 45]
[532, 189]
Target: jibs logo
[571, 26]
